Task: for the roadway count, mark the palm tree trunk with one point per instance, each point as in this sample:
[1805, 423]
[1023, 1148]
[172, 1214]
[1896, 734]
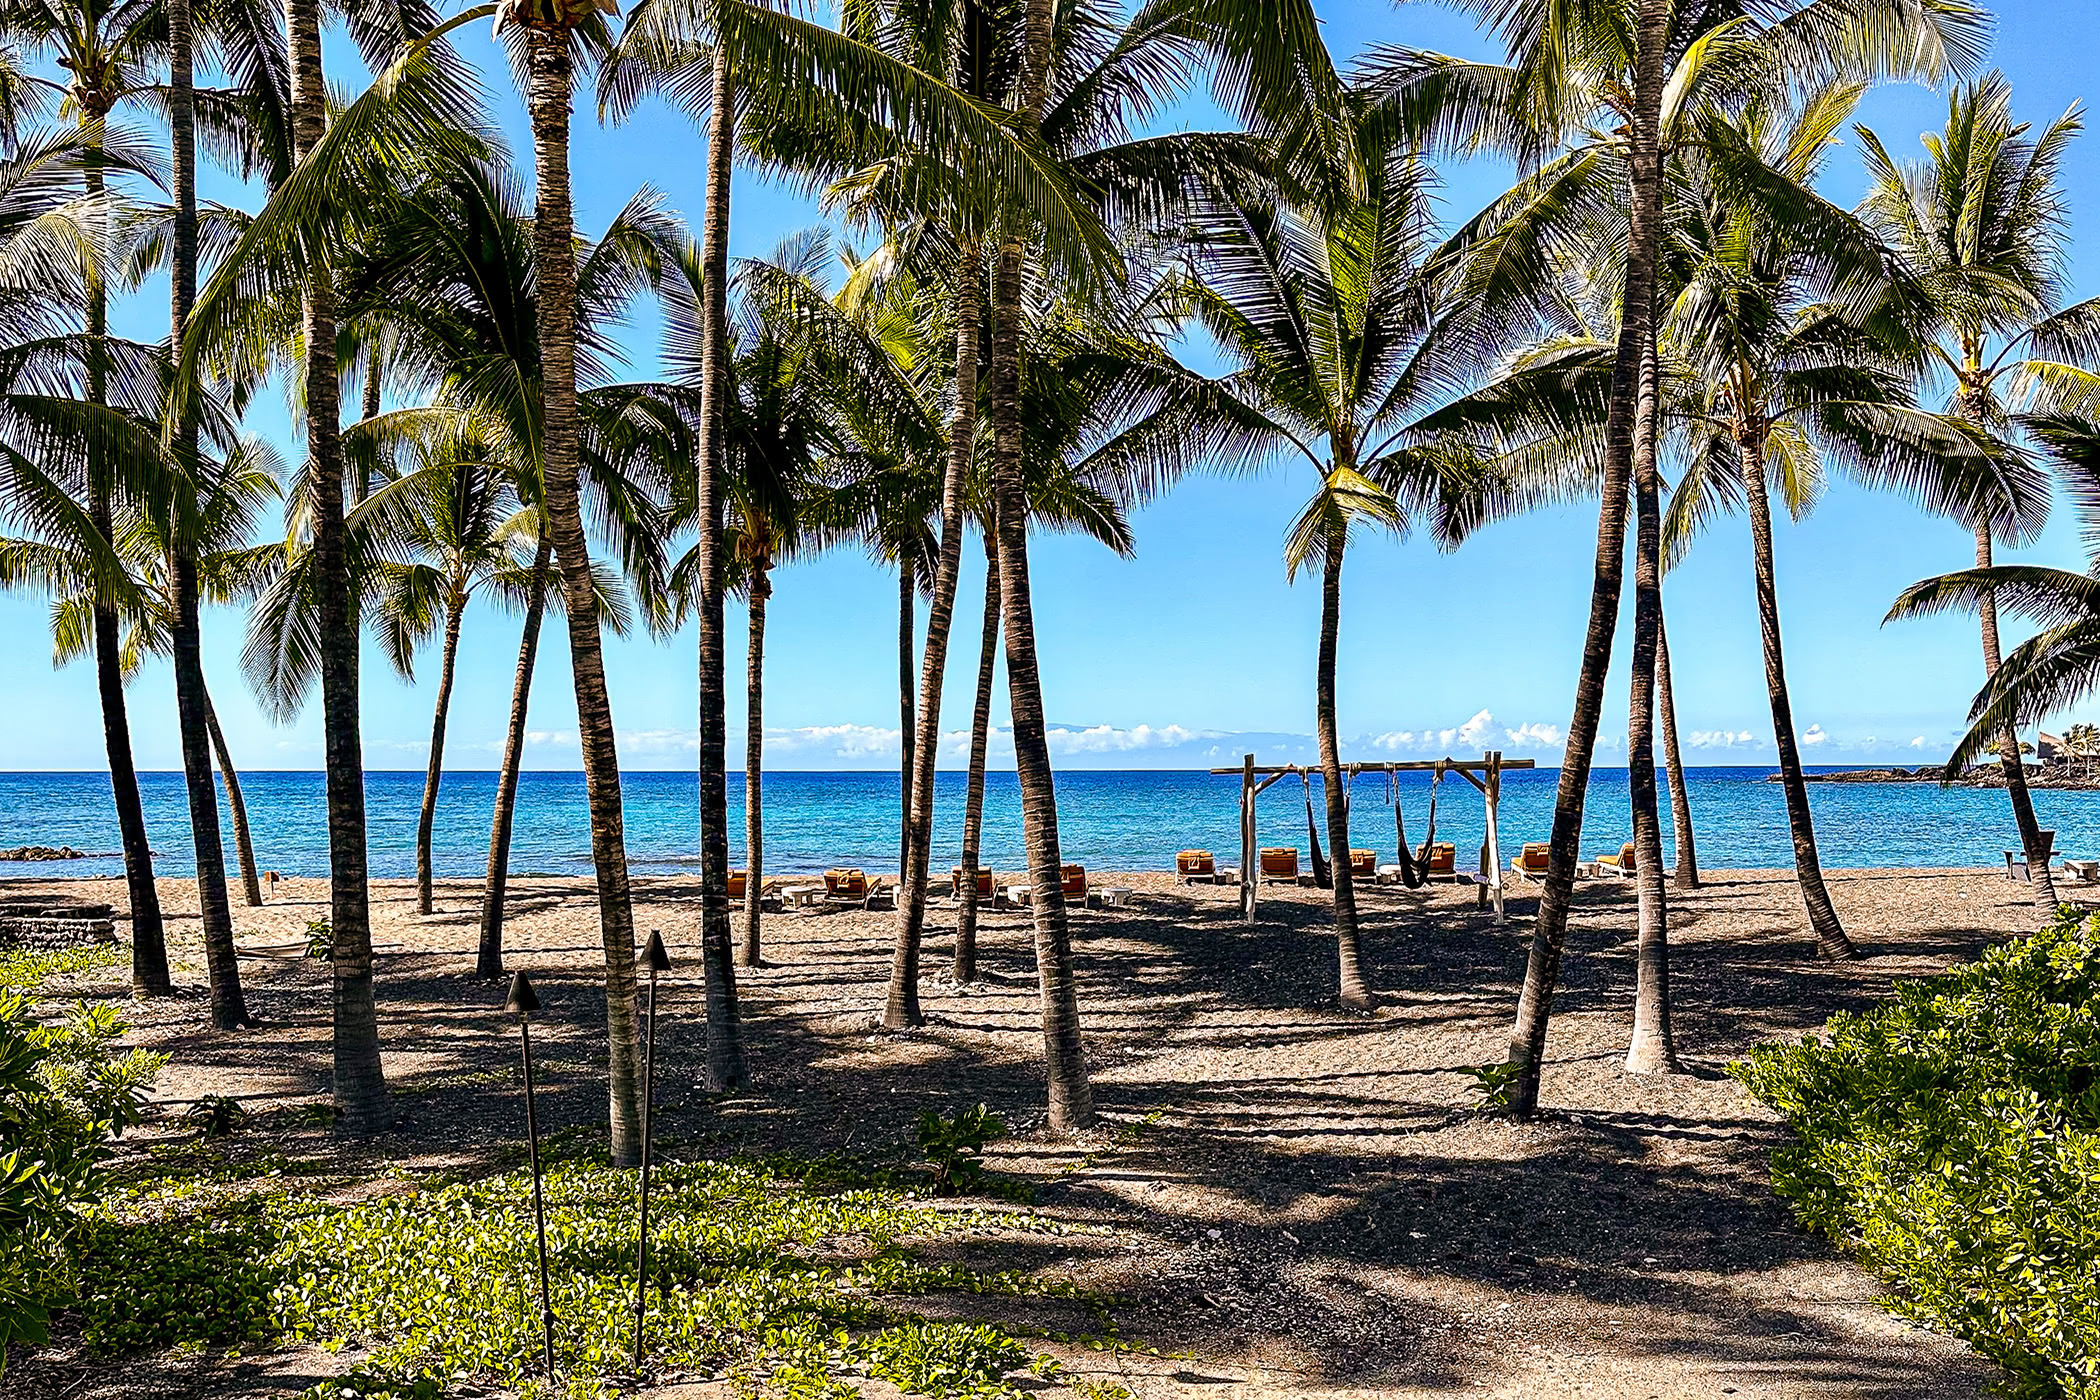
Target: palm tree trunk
[359, 1083]
[1071, 1092]
[1356, 993]
[980, 743]
[725, 1039]
[489, 961]
[2009, 760]
[1683, 835]
[426, 819]
[1651, 1050]
[1527, 1049]
[229, 1009]
[554, 252]
[149, 944]
[903, 1007]
[907, 704]
[1686, 876]
[755, 761]
[1831, 941]
[368, 404]
[243, 844]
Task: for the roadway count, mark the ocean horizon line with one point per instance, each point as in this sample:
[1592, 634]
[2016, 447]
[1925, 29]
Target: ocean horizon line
[892, 771]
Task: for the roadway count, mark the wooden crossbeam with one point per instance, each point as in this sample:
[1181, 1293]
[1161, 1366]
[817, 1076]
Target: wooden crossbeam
[1411, 766]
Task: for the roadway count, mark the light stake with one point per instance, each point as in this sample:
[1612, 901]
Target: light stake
[522, 1002]
[659, 960]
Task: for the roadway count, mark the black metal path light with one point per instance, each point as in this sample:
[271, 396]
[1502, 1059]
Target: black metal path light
[522, 1002]
[659, 960]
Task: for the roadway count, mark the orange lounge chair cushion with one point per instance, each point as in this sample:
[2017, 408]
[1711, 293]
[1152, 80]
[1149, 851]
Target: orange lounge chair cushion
[1279, 860]
[1075, 882]
[1363, 862]
[1537, 855]
[1443, 858]
[738, 882]
[852, 883]
[984, 879]
[1623, 860]
[1195, 863]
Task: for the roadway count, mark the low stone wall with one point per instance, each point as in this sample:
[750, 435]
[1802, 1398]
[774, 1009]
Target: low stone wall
[55, 926]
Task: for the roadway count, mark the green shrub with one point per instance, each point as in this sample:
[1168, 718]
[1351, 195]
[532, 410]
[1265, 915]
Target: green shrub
[65, 1095]
[1952, 1137]
[953, 1146]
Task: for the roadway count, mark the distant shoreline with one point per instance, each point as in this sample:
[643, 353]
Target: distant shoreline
[1983, 775]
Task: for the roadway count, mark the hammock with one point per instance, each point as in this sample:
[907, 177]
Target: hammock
[1323, 874]
[1414, 869]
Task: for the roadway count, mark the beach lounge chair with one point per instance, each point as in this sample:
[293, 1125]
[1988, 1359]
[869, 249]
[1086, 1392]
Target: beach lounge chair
[1279, 865]
[739, 881]
[1363, 865]
[984, 882]
[2016, 866]
[1620, 864]
[1196, 868]
[1075, 885]
[850, 888]
[1443, 862]
[1531, 864]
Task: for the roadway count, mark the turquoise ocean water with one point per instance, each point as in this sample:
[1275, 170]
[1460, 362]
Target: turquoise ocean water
[1108, 820]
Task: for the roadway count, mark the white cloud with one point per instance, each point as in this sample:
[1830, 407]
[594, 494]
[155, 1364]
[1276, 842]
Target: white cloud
[1104, 738]
[1815, 735]
[551, 738]
[837, 741]
[1535, 736]
[1723, 739]
[1918, 743]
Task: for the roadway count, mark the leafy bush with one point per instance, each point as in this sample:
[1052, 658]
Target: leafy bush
[320, 939]
[1952, 1137]
[953, 1146]
[64, 1097]
[216, 1116]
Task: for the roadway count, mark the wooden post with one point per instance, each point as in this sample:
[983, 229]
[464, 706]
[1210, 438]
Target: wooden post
[1250, 854]
[1493, 794]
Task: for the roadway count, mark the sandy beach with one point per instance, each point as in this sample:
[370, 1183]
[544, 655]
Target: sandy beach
[1303, 1202]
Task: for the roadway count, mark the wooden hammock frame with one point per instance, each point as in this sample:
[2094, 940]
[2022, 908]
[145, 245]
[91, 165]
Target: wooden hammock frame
[1485, 775]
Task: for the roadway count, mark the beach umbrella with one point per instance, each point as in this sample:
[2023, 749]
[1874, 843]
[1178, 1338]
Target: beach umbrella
[522, 1002]
[659, 960]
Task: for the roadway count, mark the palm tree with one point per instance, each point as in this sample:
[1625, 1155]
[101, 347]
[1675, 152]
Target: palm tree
[1324, 313]
[780, 418]
[106, 52]
[445, 280]
[1788, 377]
[1982, 226]
[463, 527]
[550, 32]
[1621, 60]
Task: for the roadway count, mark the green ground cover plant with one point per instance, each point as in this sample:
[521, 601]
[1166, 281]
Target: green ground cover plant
[785, 1288]
[1951, 1137]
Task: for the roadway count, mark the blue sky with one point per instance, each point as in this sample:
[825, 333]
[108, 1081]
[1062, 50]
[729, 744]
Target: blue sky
[1197, 648]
